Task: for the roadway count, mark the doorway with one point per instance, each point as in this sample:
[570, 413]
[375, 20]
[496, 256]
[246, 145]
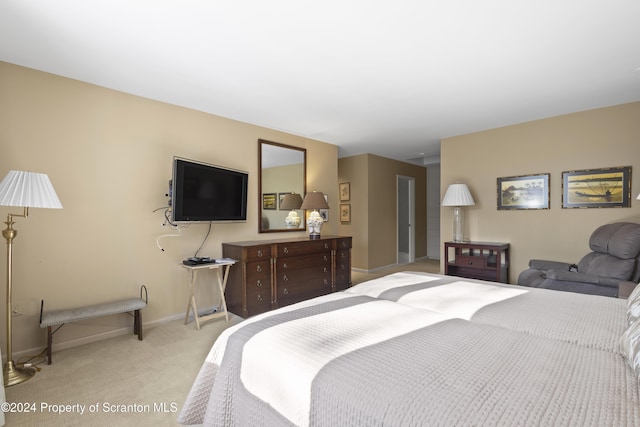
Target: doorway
[405, 201]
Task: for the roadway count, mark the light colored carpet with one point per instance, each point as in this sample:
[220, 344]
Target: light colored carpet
[154, 374]
[151, 378]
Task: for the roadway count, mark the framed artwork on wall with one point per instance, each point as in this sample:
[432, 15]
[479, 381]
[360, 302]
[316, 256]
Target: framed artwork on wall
[345, 192]
[524, 192]
[324, 213]
[345, 212]
[597, 188]
[269, 201]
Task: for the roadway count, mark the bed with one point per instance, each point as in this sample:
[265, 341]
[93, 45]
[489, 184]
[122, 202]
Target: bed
[405, 350]
[575, 318]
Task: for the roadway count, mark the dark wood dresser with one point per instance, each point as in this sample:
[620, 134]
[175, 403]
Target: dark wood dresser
[275, 273]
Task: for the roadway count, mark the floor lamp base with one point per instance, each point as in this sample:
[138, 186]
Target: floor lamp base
[14, 375]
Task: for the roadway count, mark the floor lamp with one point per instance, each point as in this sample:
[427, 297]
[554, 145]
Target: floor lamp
[25, 190]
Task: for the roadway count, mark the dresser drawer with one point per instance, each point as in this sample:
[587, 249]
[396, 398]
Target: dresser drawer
[304, 262]
[343, 269]
[302, 248]
[470, 261]
[258, 252]
[291, 291]
[258, 299]
[343, 243]
[259, 270]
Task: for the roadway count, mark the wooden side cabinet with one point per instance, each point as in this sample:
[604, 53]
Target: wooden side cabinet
[477, 260]
[275, 273]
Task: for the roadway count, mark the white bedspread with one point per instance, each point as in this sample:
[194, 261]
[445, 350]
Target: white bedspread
[588, 320]
[353, 360]
[318, 340]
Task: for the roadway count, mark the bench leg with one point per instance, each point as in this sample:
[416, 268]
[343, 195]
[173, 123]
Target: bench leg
[137, 324]
[49, 345]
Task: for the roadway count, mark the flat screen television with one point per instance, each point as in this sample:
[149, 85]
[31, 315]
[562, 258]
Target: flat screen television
[201, 192]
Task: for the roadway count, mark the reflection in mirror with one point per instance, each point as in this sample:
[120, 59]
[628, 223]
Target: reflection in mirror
[282, 179]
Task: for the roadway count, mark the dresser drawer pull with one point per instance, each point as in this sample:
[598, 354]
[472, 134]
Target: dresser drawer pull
[285, 291]
[259, 252]
[326, 246]
[325, 269]
[285, 250]
[259, 297]
[284, 265]
[325, 282]
[343, 255]
[259, 283]
[325, 258]
[285, 278]
[259, 268]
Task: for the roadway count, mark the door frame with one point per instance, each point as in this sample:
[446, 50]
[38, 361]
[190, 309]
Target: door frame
[410, 202]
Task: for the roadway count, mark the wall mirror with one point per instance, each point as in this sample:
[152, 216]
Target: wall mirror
[282, 183]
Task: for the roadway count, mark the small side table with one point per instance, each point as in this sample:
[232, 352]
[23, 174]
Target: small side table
[221, 270]
[477, 260]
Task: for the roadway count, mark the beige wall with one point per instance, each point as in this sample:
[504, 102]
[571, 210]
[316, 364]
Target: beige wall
[108, 155]
[373, 208]
[601, 138]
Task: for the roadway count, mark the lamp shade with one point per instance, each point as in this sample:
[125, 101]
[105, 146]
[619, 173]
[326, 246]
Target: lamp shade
[458, 195]
[314, 200]
[28, 190]
[291, 201]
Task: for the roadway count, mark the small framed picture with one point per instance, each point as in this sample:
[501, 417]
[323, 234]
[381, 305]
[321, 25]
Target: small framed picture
[324, 213]
[524, 192]
[270, 201]
[345, 212]
[597, 188]
[345, 192]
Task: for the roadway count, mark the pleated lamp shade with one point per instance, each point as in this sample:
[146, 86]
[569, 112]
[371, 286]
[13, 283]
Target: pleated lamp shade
[28, 190]
[458, 195]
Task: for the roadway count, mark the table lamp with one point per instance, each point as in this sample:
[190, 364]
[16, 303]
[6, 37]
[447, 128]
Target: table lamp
[314, 201]
[458, 195]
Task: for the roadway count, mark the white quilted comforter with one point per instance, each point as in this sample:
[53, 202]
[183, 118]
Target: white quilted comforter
[366, 357]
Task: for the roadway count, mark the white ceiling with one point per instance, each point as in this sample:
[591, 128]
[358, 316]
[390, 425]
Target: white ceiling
[386, 77]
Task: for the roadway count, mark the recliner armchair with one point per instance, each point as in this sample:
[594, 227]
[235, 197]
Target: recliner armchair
[612, 269]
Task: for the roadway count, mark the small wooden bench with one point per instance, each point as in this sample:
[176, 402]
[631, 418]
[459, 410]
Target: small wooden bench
[60, 317]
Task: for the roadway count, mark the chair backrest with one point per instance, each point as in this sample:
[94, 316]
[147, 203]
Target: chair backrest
[616, 252]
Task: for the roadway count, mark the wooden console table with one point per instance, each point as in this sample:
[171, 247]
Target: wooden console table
[477, 260]
[275, 273]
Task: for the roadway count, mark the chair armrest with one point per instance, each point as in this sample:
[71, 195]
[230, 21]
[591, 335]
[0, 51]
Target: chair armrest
[625, 288]
[570, 276]
[541, 264]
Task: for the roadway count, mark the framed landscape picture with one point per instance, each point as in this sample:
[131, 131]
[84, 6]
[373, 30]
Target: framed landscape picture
[524, 192]
[270, 201]
[597, 188]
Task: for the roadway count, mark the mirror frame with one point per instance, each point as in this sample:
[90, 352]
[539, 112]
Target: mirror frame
[261, 143]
